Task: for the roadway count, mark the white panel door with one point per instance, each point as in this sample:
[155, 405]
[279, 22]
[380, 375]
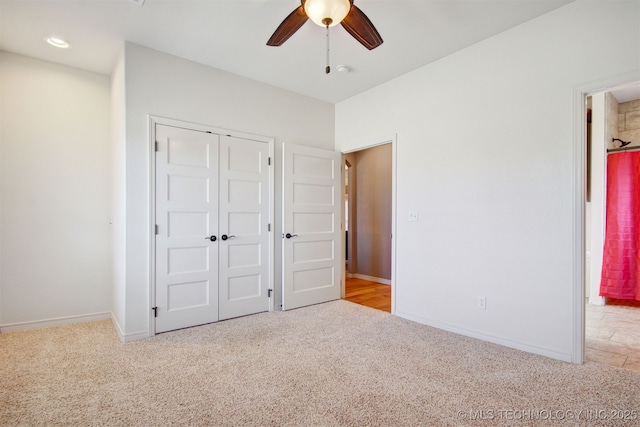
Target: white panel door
[244, 222]
[186, 218]
[312, 254]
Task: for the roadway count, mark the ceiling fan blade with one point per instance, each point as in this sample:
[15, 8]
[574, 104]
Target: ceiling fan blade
[290, 25]
[360, 27]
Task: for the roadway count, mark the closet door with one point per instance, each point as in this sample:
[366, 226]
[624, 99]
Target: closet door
[187, 237]
[244, 227]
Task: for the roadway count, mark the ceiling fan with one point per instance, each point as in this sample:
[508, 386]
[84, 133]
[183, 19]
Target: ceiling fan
[328, 13]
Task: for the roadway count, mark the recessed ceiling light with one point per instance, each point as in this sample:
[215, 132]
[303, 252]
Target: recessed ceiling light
[344, 68]
[57, 42]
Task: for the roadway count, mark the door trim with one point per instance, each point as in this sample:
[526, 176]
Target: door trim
[363, 145]
[578, 297]
[153, 121]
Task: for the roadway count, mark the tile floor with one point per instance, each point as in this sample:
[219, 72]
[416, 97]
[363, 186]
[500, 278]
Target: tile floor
[613, 336]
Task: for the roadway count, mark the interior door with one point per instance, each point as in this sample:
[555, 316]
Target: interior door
[187, 227]
[244, 227]
[312, 248]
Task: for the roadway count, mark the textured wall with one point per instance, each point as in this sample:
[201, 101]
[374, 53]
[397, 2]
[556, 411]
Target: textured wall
[629, 122]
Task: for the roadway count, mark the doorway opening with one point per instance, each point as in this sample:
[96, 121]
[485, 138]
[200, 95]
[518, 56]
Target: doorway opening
[368, 199]
[610, 325]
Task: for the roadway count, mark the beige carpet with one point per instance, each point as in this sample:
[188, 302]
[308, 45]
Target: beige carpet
[332, 364]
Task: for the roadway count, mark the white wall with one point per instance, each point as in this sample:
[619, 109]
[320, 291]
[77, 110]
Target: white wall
[119, 191]
[167, 86]
[485, 152]
[55, 182]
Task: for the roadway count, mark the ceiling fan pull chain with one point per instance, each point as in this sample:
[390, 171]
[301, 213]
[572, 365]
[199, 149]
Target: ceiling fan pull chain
[328, 69]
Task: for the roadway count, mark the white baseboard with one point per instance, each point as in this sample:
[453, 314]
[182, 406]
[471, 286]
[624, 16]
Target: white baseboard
[117, 327]
[58, 321]
[596, 301]
[136, 336]
[369, 278]
[489, 338]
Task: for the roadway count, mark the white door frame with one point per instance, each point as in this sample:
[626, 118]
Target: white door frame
[580, 94]
[390, 139]
[153, 120]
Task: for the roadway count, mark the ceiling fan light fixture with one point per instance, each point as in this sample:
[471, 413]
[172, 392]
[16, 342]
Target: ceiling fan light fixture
[327, 11]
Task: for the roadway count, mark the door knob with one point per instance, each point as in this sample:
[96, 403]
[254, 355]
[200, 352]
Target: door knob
[225, 237]
[289, 235]
[212, 238]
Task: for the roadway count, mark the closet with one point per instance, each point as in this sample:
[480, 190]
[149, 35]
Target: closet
[212, 201]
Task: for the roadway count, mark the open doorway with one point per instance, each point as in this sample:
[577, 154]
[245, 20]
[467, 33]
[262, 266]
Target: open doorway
[613, 119]
[368, 226]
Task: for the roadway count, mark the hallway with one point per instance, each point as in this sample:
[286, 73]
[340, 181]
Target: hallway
[370, 294]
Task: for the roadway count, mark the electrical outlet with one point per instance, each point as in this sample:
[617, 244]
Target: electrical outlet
[413, 216]
[482, 303]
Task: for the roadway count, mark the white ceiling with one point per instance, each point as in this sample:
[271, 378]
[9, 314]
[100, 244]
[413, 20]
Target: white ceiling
[231, 35]
[627, 93]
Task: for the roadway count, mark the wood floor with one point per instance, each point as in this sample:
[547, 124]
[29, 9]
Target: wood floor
[370, 294]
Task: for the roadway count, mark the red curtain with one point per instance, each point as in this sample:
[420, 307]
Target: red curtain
[621, 261]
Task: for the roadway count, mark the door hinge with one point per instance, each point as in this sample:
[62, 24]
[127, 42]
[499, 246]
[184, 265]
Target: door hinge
[157, 228]
[269, 293]
[269, 162]
[269, 227]
[157, 146]
[155, 311]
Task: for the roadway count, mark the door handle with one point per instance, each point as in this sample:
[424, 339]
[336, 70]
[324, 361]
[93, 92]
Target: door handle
[289, 235]
[225, 237]
[212, 238]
